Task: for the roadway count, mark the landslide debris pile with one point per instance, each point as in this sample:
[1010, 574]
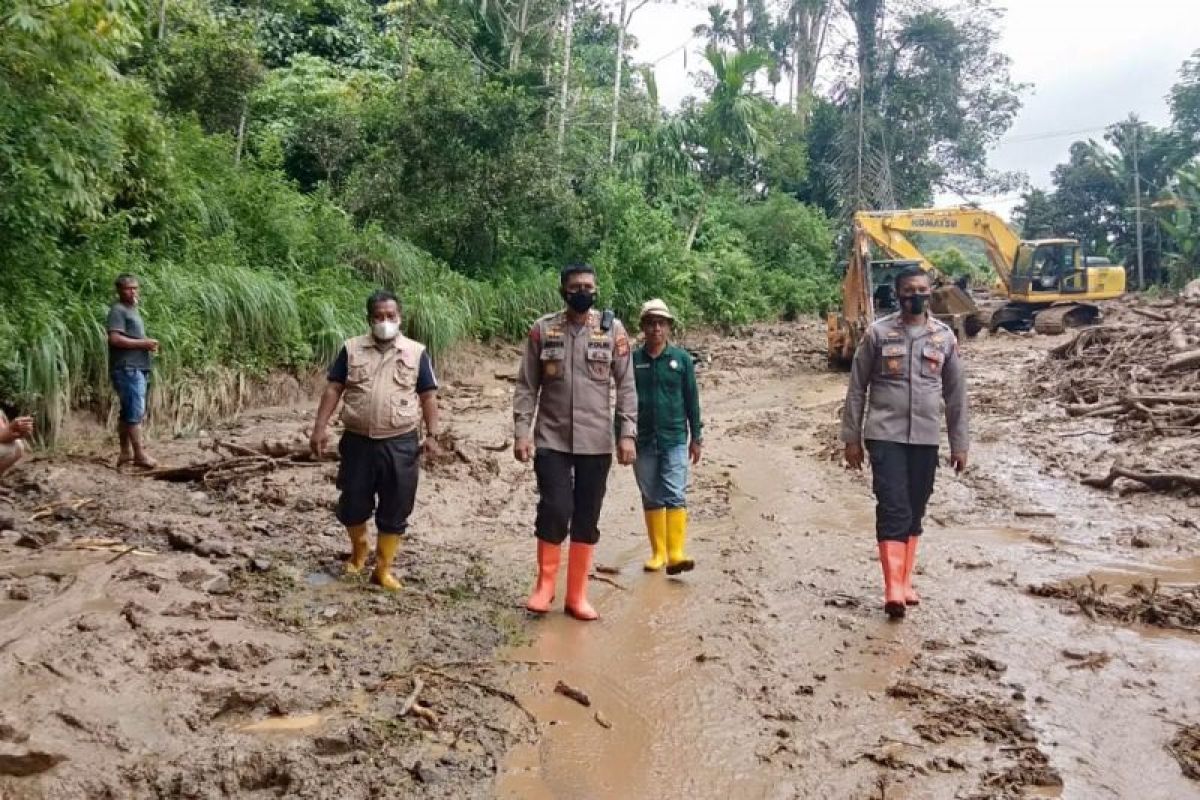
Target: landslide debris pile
[1141, 371]
[1171, 607]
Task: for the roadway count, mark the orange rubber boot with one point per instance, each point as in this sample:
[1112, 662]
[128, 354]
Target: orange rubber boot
[910, 562]
[579, 566]
[548, 556]
[891, 557]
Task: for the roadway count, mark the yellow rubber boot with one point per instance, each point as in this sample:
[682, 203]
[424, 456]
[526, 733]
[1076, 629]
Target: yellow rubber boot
[656, 529]
[385, 553]
[359, 549]
[677, 560]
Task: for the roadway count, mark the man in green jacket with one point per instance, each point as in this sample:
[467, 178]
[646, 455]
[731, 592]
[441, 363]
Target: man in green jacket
[668, 410]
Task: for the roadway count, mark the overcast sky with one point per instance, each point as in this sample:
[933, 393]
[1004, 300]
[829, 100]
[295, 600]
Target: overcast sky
[1090, 63]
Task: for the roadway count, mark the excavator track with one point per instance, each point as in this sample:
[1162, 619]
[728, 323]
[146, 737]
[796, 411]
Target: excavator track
[1056, 319]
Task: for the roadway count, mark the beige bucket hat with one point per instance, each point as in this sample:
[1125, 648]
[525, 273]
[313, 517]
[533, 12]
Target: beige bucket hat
[655, 308]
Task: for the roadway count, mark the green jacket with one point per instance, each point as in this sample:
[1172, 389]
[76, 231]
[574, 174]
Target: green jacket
[668, 398]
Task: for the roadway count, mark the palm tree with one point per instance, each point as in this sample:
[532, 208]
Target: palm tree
[733, 116]
[665, 152]
[719, 28]
[730, 122]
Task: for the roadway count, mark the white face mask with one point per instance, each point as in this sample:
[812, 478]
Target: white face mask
[385, 331]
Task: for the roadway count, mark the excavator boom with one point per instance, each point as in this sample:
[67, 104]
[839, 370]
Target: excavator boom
[1048, 283]
[890, 230]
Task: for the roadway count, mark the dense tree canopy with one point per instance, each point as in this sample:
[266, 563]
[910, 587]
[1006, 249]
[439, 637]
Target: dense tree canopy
[263, 163]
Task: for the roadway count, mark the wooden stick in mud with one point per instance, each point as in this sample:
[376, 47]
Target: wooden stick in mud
[486, 688]
[1182, 361]
[1154, 315]
[567, 690]
[236, 449]
[411, 700]
[606, 579]
[1162, 481]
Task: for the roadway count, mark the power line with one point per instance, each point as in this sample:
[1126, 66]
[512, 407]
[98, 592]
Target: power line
[673, 51]
[1033, 137]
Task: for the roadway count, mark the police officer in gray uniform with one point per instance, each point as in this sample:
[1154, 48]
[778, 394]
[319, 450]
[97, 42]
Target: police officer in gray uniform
[910, 364]
[572, 361]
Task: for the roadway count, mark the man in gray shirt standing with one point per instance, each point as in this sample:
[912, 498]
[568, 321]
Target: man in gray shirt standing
[910, 363]
[129, 360]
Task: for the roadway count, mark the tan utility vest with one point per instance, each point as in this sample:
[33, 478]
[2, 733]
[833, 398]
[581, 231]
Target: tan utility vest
[380, 399]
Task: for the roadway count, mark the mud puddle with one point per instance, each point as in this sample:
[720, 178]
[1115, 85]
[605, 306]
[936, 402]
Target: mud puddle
[659, 708]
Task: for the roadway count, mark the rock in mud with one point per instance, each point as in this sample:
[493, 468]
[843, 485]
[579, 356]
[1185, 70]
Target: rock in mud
[336, 745]
[181, 540]
[8, 522]
[214, 549]
[427, 774]
[10, 732]
[21, 763]
[219, 584]
[36, 540]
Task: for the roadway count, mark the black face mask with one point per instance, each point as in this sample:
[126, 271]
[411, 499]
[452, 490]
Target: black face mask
[580, 301]
[915, 303]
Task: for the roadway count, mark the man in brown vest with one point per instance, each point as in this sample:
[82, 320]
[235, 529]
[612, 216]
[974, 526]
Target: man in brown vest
[572, 358]
[388, 386]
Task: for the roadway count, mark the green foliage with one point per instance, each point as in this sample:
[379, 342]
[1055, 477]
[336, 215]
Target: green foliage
[262, 167]
[1180, 217]
[953, 262]
[641, 255]
[1185, 100]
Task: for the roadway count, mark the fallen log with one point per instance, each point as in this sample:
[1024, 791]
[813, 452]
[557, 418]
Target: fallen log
[1108, 407]
[1154, 315]
[1182, 361]
[1160, 481]
[208, 470]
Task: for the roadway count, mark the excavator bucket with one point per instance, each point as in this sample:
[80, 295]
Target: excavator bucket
[957, 309]
[949, 299]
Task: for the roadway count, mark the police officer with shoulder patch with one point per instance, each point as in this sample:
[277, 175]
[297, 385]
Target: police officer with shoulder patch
[906, 366]
[572, 358]
[387, 386]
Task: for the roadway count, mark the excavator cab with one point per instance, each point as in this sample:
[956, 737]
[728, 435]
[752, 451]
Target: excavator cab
[1048, 267]
[883, 284]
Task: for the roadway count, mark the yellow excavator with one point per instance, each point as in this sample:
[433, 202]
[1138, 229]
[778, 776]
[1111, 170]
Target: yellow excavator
[1049, 284]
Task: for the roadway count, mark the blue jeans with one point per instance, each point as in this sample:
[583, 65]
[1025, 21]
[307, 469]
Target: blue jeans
[131, 386]
[662, 476]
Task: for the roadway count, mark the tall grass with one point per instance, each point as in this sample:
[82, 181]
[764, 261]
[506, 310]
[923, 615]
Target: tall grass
[223, 325]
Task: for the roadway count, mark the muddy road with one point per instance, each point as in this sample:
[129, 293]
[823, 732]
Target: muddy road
[192, 640]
